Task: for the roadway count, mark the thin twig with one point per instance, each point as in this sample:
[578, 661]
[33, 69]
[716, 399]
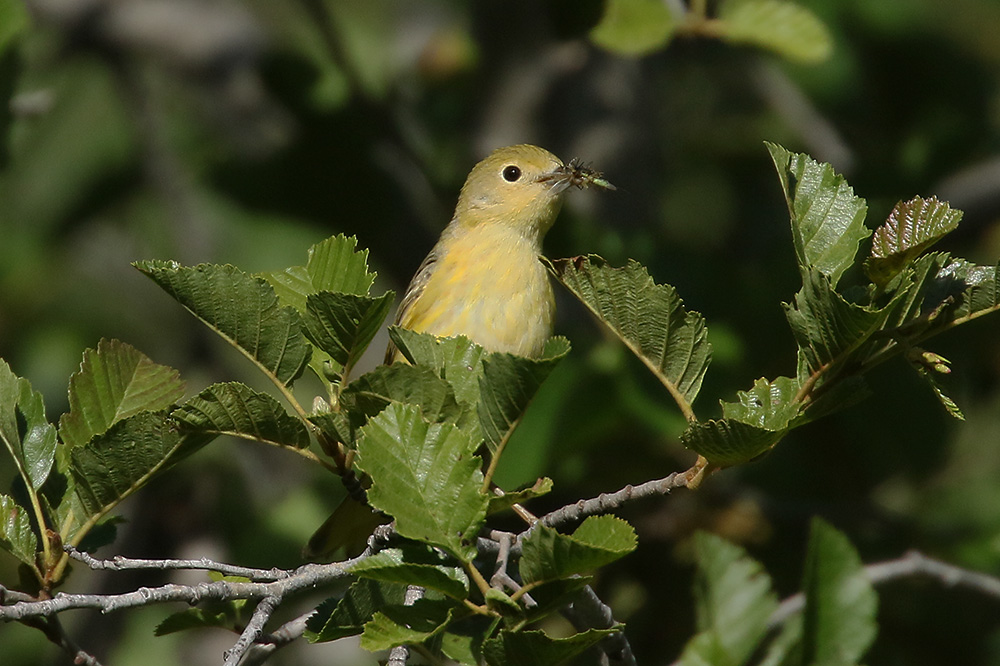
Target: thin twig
[267, 644]
[265, 609]
[399, 654]
[119, 563]
[606, 502]
[588, 612]
[911, 564]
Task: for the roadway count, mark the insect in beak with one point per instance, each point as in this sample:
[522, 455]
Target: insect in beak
[575, 174]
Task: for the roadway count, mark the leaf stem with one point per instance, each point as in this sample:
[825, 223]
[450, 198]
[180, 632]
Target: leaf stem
[477, 577]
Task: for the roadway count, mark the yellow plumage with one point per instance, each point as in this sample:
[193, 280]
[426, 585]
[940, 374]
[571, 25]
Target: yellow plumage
[483, 279]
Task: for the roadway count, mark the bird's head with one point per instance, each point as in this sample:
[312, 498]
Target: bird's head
[520, 186]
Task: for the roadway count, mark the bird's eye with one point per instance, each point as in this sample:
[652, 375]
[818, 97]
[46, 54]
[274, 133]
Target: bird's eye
[511, 173]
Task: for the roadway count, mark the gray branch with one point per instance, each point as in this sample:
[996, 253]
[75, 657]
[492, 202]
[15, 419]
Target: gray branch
[255, 627]
[119, 563]
[268, 644]
[606, 502]
[910, 565]
[306, 577]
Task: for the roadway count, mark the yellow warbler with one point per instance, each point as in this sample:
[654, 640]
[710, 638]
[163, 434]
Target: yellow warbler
[483, 279]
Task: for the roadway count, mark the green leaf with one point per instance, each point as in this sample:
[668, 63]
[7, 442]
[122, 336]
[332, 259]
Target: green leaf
[839, 616]
[426, 477]
[29, 437]
[507, 386]
[16, 535]
[786, 648]
[343, 325]
[725, 442]
[235, 409]
[457, 360]
[401, 625]
[535, 648]
[968, 291]
[413, 566]
[913, 226]
[649, 318]
[463, 640]
[827, 327]
[827, 219]
[116, 463]
[733, 599]
[333, 265]
[786, 28]
[634, 27]
[115, 381]
[337, 618]
[768, 405]
[243, 309]
[599, 540]
[400, 383]
[498, 503]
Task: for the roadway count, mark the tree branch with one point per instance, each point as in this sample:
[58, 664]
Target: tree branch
[308, 576]
[255, 627]
[606, 502]
[267, 644]
[119, 563]
[912, 564]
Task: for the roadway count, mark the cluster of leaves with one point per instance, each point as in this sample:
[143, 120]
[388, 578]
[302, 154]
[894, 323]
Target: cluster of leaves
[640, 27]
[736, 607]
[417, 429]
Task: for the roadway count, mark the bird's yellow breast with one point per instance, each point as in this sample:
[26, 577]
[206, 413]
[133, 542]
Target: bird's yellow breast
[488, 285]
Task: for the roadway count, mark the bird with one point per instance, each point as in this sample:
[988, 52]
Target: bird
[483, 279]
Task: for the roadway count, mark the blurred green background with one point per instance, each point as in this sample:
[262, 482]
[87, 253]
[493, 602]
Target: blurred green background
[243, 132]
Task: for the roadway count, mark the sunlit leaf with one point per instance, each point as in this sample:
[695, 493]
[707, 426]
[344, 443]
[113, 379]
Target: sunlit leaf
[243, 309]
[414, 566]
[457, 360]
[26, 433]
[769, 405]
[634, 27]
[115, 381]
[913, 226]
[649, 318]
[827, 219]
[840, 602]
[16, 535]
[503, 502]
[548, 555]
[426, 477]
[787, 28]
[333, 265]
[237, 410]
